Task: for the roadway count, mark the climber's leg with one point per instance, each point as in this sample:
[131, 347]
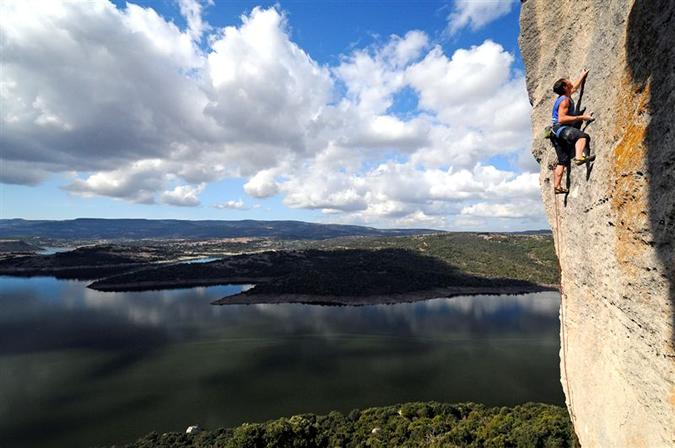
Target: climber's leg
[557, 175]
[558, 172]
[580, 140]
[563, 151]
[579, 147]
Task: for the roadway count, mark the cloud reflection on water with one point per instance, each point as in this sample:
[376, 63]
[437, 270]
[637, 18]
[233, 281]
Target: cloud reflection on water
[130, 363]
[190, 310]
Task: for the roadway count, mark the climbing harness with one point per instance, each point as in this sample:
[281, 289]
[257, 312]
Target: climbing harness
[563, 304]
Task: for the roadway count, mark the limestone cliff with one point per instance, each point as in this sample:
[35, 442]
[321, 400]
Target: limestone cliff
[615, 231]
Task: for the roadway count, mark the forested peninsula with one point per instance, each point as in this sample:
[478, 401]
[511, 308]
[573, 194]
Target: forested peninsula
[353, 270]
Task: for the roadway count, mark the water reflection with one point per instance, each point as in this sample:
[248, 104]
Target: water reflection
[50, 250]
[130, 363]
[204, 259]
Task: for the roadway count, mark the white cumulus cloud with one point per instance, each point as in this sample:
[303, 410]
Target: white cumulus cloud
[508, 210]
[475, 14]
[232, 204]
[183, 195]
[192, 12]
[137, 182]
[142, 111]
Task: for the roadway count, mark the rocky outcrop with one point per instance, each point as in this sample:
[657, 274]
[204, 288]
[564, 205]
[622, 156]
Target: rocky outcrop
[615, 231]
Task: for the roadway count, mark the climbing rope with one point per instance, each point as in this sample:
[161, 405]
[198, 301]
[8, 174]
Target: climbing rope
[563, 304]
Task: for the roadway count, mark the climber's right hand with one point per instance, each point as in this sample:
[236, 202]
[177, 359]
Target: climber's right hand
[587, 117]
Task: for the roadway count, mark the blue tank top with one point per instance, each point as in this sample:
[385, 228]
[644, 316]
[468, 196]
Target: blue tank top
[556, 126]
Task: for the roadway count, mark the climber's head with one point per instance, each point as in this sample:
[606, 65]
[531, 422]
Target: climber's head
[563, 86]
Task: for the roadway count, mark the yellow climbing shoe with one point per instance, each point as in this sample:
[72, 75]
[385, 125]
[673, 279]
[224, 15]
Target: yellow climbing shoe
[583, 159]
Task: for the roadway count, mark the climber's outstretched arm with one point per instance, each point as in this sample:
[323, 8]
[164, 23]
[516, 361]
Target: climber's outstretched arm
[565, 117]
[579, 81]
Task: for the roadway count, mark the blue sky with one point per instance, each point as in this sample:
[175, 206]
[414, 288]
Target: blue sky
[322, 111]
[327, 29]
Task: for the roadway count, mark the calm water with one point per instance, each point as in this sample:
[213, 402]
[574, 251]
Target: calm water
[50, 250]
[80, 367]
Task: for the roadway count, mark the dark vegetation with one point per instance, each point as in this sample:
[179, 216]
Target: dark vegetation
[528, 257]
[84, 263]
[348, 266]
[340, 272]
[242, 268]
[410, 425]
[360, 272]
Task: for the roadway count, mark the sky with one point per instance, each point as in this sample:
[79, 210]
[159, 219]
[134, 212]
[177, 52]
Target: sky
[382, 113]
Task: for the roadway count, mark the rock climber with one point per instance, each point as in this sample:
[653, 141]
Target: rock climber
[565, 127]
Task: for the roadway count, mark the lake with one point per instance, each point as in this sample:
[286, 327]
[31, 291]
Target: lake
[80, 367]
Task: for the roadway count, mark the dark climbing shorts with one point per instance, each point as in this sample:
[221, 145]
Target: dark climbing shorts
[564, 145]
[571, 134]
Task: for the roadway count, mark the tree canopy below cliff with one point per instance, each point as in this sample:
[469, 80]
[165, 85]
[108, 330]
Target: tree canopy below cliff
[419, 425]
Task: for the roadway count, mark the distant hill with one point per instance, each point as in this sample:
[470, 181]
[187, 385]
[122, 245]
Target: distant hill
[94, 228]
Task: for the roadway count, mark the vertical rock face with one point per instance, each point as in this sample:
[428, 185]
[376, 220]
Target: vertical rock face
[615, 231]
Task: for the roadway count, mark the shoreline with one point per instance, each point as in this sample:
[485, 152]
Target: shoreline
[160, 285]
[246, 298]
[250, 297]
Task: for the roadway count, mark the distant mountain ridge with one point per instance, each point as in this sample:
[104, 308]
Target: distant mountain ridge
[99, 228]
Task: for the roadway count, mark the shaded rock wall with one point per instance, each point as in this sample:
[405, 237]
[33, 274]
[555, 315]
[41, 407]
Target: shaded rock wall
[615, 231]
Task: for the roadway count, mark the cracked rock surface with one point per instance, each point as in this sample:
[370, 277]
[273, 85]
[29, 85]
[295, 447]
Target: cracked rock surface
[615, 231]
